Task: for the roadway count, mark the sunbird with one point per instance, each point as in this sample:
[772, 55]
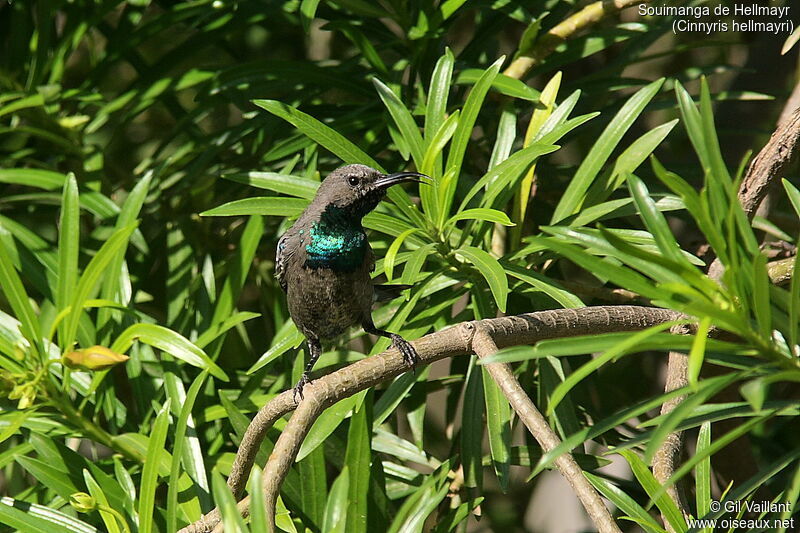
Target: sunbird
[323, 262]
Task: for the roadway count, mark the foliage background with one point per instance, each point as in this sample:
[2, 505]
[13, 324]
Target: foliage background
[122, 122]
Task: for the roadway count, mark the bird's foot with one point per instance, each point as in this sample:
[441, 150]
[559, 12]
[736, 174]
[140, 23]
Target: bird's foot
[298, 389]
[405, 348]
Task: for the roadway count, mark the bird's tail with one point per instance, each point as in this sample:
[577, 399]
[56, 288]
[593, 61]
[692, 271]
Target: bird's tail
[385, 292]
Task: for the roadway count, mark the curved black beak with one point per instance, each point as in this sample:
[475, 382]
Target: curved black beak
[384, 182]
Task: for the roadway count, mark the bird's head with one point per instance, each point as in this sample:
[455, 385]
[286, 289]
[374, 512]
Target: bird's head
[357, 189]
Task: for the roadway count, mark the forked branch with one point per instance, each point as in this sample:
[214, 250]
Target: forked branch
[457, 340]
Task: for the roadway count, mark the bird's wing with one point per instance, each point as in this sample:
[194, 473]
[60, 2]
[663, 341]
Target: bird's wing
[369, 259]
[282, 255]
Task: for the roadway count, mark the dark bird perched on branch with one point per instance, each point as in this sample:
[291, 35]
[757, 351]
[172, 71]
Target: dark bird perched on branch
[324, 260]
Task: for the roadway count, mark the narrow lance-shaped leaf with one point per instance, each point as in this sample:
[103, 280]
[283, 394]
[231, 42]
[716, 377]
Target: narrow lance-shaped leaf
[316, 130]
[491, 270]
[626, 163]
[391, 253]
[540, 114]
[168, 341]
[576, 191]
[90, 278]
[336, 508]
[469, 115]
[12, 287]
[149, 483]
[358, 458]
[437, 94]
[431, 165]
[498, 426]
[68, 244]
[182, 442]
[703, 473]
[403, 119]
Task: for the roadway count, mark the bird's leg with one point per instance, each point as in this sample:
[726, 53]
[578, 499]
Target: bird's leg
[315, 350]
[405, 348]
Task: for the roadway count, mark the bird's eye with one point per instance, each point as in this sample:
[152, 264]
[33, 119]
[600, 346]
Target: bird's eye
[353, 181]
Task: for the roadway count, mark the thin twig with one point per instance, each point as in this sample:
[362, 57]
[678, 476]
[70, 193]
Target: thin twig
[564, 30]
[501, 373]
[505, 331]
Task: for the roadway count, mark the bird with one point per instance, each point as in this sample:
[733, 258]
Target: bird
[323, 262]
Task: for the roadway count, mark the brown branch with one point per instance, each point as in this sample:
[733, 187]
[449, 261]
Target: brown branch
[771, 163]
[484, 346]
[780, 270]
[668, 454]
[564, 30]
[505, 331]
[792, 103]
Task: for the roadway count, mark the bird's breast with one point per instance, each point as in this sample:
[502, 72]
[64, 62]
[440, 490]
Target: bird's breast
[341, 249]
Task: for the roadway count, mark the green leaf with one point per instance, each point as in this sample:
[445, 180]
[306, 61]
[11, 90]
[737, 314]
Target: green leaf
[149, 483]
[127, 216]
[698, 351]
[497, 179]
[327, 422]
[431, 162]
[285, 339]
[258, 507]
[170, 342]
[12, 287]
[415, 510]
[628, 345]
[68, 244]
[337, 506]
[319, 132]
[35, 518]
[627, 504]
[404, 120]
[628, 162]
[469, 115]
[503, 84]
[238, 267]
[181, 443]
[416, 262]
[652, 487]
[297, 186]
[391, 253]
[265, 205]
[231, 517]
[655, 221]
[604, 270]
[544, 284]
[112, 526]
[790, 41]
[91, 277]
[308, 9]
[575, 195]
[358, 459]
[491, 270]
[438, 92]
[703, 473]
[481, 213]
[472, 427]
[32, 177]
[498, 427]
[49, 475]
[540, 114]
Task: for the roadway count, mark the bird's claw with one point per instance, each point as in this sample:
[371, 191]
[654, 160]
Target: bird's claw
[298, 389]
[406, 349]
